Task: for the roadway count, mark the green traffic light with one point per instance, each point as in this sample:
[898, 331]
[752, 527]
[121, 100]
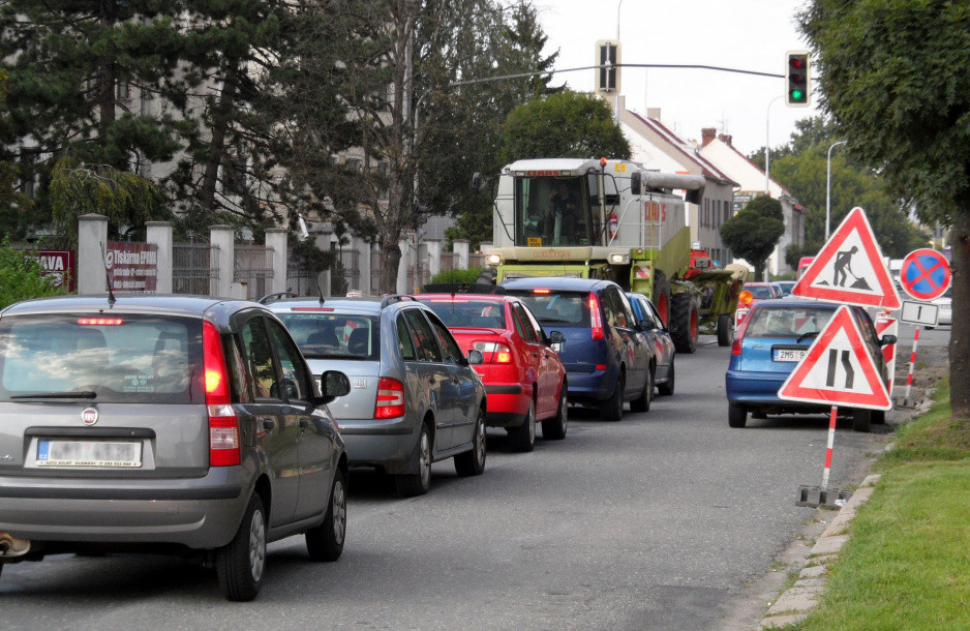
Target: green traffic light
[797, 95]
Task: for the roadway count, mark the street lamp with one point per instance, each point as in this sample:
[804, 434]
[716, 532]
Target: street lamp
[828, 188]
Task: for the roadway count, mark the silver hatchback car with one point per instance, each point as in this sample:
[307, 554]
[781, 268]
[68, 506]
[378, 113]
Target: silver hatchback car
[414, 397]
[164, 424]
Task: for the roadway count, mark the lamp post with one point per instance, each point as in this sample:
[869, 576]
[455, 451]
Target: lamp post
[616, 96]
[828, 188]
[767, 145]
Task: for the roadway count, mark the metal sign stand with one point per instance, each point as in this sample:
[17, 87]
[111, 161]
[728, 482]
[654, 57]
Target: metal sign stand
[815, 496]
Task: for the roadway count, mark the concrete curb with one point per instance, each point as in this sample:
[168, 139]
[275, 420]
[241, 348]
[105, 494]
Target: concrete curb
[795, 603]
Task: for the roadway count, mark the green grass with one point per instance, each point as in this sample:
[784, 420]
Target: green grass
[907, 562]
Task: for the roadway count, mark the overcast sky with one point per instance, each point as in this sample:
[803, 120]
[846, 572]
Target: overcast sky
[743, 34]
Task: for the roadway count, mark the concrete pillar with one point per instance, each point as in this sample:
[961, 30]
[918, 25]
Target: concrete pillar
[223, 259]
[365, 269]
[92, 236]
[403, 266]
[434, 257]
[160, 233]
[276, 238]
[461, 249]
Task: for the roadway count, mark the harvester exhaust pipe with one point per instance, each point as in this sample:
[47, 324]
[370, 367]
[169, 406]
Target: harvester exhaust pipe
[10, 547]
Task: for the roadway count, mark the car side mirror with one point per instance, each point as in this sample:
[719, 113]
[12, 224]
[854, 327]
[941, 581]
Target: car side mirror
[646, 325]
[475, 357]
[556, 340]
[333, 384]
[887, 339]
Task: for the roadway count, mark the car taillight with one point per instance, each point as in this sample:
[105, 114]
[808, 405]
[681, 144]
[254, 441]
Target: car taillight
[736, 346]
[390, 398]
[494, 352]
[595, 319]
[224, 443]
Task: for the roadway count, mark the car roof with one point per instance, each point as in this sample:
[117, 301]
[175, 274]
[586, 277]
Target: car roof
[464, 297]
[560, 283]
[149, 303]
[797, 302]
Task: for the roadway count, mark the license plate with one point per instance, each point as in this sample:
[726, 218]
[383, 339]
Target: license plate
[788, 355]
[88, 453]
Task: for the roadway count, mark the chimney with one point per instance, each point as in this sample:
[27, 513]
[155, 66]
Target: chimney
[653, 113]
[707, 135]
[726, 139]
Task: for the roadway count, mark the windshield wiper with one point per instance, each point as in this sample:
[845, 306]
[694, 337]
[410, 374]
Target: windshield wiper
[805, 336]
[83, 394]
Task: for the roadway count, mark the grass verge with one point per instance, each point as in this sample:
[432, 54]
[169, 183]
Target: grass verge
[907, 562]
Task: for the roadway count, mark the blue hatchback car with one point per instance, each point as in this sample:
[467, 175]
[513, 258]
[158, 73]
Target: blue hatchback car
[772, 339]
[601, 344]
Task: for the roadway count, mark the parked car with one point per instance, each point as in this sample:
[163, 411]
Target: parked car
[749, 296]
[783, 287]
[415, 398]
[774, 337]
[165, 424]
[659, 341]
[524, 379]
[762, 291]
[945, 312]
[603, 348]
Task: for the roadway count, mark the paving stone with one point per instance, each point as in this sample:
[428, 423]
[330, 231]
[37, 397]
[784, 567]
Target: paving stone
[810, 582]
[778, 622]
[830, 545]
[795, 599]
[813, 572]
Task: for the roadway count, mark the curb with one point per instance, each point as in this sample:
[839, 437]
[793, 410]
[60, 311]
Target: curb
[795, 603]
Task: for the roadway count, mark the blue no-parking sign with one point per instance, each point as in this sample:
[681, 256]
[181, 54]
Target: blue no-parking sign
[925, 274]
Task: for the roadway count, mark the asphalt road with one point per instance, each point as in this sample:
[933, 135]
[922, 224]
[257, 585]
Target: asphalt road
[661, 521]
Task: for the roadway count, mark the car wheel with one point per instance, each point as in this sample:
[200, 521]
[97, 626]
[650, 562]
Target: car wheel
[326, 541]
[614, 405]
[555, 428]
[473, 462]
[523, 438]
[240, 563]
[667, 389]
[413, 484]
[642, 402]
[878, 417]
[861, 420]
[737, 415]
[725, 330]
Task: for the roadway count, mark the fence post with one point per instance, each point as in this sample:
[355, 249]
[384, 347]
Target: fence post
[160, 233]
[92, 235]
[434, 256]
[461, 249]
[224, 262]
[403, 266]
[276, 238]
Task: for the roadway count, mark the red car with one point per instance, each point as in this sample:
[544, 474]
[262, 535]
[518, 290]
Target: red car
[524, 379]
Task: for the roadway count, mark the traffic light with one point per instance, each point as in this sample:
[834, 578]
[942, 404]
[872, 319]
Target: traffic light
[608, 74]
[796, 76]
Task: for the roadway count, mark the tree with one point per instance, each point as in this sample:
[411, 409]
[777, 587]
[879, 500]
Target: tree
[893, 77]
[754, 231]
[14, 205]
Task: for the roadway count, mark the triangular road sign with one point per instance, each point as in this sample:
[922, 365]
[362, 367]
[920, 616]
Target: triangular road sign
[838, 370]
[850, 269]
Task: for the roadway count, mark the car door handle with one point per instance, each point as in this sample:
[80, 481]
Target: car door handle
[268, 424]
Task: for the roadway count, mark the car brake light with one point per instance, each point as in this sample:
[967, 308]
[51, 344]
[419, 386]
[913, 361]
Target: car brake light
[595, 319]
[493, 352]
[390, 398]
[224, 443]
[540, 291]
[736, 346]
[100, 321]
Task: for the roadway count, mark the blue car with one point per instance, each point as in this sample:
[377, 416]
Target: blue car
[601, 342]
[658, 339]
[769, 344]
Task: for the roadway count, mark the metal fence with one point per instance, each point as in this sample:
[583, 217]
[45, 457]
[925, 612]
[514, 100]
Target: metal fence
[253, 266]
[192, 271]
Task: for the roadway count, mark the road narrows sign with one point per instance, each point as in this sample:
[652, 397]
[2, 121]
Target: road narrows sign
[925, 274]
[838, 370]
[850, 268]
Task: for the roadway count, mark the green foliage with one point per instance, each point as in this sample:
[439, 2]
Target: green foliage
[753, 232]
[767, 207]
[565, 125]
[458, 275]
[21, 277]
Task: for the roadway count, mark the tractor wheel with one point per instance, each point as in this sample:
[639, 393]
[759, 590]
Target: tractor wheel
[725, 330]
[684, 323]
[661, 296]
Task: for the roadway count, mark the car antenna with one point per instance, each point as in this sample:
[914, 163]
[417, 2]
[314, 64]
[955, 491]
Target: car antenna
[107, 276]
[320, 290]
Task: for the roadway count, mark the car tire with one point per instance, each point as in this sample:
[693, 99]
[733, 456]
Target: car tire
[878, 417]
[555, 428]
[522, 439]
[725, 330]
[737, 415]
[642, 402]
[241, 563]
[667, 389]
[683, 313]
[414, 484]
[472, 462]
[326, 541]
[861, 420]
[614, 405]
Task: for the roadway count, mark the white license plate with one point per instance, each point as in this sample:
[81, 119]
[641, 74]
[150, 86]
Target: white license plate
[788, 355]
[88, 453]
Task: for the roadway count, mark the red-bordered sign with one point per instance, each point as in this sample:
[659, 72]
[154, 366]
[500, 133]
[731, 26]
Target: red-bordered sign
[850, 268]
[925, 274]
[838, 370]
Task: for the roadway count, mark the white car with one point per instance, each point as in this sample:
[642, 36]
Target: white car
[945, 303]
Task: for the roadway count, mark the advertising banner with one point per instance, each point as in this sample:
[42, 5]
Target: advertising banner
[132, 266]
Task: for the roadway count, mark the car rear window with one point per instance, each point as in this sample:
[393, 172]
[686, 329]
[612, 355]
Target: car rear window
[469, 313]
[335, 336]
[562, 308]
[121, 358]
[760, 292]
[787, 321]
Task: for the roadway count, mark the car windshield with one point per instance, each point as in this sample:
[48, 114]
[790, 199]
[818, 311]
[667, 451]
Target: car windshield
[468, 312]
[335, 336]
[562, 308]
[108, 359]
[787, 321]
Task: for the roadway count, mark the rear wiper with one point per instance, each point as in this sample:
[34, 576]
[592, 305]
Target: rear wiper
[83, 394]
[805, 336]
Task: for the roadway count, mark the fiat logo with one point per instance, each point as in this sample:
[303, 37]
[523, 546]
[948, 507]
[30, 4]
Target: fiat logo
[89, 416]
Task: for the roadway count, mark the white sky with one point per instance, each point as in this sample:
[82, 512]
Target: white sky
[743, 34]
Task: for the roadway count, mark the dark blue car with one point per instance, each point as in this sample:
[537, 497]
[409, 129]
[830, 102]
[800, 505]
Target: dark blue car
[602, 346]
[658, 339]
[772, 340]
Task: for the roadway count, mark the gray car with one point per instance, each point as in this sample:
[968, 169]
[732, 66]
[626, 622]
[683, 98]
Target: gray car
[414, 398]
[165, 424]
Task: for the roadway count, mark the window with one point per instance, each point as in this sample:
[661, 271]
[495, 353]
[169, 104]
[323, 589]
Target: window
[624, 310]
[522, 324]
[260, 359]
[453, 353]
[295, 377]
[426, 346]
[559, 308]
[404, 342]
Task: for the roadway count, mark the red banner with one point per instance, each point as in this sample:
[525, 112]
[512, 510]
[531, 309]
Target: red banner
[58, 265]
[132, 266]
